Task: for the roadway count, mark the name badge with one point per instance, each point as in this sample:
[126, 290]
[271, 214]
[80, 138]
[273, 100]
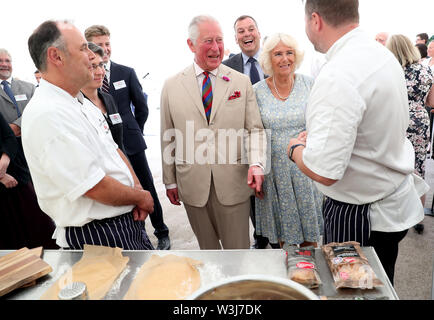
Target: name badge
[21, 97]
[115, 118]
[119, 85]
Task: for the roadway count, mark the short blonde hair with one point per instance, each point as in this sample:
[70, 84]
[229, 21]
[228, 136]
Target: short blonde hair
[271, 43]
[403, 49]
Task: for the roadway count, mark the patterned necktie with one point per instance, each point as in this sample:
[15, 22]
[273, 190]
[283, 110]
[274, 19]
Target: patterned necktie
[254, 74]
[11, 95]
[105, 85]
[207, 95]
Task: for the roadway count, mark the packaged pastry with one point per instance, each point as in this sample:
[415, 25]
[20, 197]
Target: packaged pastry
[349, 266]
[301, 266]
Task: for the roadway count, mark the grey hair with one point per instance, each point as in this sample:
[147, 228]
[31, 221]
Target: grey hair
[4, 51]
[271, 43]
[193, 28]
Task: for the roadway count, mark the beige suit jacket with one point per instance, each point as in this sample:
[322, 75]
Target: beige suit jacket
[193, 151]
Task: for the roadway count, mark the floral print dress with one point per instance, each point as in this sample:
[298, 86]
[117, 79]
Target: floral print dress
[419, 80]
[291, 211]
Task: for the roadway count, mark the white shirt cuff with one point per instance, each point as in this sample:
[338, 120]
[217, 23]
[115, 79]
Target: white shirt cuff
[171, 186]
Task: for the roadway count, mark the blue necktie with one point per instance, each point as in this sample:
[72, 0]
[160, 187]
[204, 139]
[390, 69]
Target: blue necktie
[11, 95]
[254, 74]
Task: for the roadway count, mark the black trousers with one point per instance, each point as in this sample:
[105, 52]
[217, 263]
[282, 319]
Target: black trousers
[261, 241]
[386, 247]
[349, 222]
[141, 168]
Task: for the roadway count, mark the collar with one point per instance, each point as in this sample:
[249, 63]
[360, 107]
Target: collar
[198, 70]
[108, 66]
[9, 80]
[79, 98]
[340, 43]
[246, 57]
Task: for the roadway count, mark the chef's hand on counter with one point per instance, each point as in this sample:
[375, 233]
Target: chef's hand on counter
[173, 196]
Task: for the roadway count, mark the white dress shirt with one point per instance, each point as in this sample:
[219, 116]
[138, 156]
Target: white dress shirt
[247, 65]
[69, 149]
[8, 81]
[107, 70]
[357, 118]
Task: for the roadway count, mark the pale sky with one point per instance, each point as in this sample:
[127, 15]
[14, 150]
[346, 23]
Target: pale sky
[150, 36]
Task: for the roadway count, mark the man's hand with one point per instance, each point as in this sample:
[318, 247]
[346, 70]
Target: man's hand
[4, 164]
[144, 207]
[255, 177]
[9, 181]
[303, 136]
[172, 194]
[16, 129]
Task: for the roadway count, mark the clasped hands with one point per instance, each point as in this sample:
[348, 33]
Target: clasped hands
[145, 207]
[6, 179]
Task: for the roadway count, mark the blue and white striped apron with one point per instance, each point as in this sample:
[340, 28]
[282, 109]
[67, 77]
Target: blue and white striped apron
[346, 222]
[121, 231]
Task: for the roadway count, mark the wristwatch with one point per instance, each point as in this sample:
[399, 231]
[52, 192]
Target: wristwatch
[291, 150]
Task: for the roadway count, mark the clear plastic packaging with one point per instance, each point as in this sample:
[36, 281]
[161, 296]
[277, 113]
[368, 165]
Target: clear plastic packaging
[301, 266]
[349, 266]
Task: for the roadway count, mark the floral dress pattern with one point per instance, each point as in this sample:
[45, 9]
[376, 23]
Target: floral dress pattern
[291, 211]
[419, 80]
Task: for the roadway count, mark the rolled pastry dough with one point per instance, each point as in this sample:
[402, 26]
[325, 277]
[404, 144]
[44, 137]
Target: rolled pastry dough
[165, 278]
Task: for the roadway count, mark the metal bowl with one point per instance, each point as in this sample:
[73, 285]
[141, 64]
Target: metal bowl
[254, 287]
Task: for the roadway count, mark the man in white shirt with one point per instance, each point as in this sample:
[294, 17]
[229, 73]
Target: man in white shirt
[355, 147]
[82, 180]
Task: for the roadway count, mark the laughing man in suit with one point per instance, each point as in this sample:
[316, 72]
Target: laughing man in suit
[207, 101]
[126, 90]
[248, 37]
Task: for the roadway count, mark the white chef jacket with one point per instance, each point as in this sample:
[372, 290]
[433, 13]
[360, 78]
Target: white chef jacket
[69, 151]
[357, 118]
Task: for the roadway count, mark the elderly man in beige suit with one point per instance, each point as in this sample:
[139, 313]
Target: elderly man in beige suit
[213, 142]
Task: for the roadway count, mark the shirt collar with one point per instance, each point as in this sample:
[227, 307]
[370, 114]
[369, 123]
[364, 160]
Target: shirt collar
[9, 80]
[198, 70]
[108, 65]
[246, 57]
[79, 98]
[341, 42]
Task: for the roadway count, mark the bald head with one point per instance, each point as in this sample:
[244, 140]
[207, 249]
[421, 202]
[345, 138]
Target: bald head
[382, 38]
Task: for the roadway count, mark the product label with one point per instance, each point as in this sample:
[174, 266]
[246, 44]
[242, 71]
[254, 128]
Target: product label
[345, 251]
[305, 265]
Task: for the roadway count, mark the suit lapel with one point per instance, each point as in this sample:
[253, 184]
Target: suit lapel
[4, 95]
[220, 90]
[190, 84]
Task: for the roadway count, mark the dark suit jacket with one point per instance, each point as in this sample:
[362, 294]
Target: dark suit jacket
[10, 145]
[235, 62]
[115, 129]
[133, 139]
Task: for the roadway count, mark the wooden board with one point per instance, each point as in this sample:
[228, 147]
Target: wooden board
[37, 252]
[20, 268]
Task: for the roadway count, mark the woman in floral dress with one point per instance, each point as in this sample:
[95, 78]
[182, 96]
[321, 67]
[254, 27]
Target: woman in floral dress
[419, 83]
[291, 210]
